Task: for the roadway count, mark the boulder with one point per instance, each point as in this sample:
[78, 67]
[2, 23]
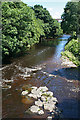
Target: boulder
[43, 88]
[49, 106]
[33, 91]
[54, 99]
[25, 92]
[34, 109]
[39, 103]
[34, 87]
[49, 93]
[43, 98]
[40, 112]
[49, 117]
[33, 96]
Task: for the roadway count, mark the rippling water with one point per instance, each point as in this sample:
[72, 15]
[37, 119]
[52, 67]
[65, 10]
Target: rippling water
[41, 67]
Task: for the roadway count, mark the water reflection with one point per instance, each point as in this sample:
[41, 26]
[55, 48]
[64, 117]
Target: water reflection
[59, 49]
[65, 36]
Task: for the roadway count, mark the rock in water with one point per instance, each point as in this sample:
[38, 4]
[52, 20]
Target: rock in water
[33, 91]
[34, 109]
[27, 100]
[40, 112]
[43, 88]
[43, 98]
[39, 103]
[48, 94]
[34, 87]
[49, 117]
[32, 95]
[54, 99]
[49, 106]
[25, 92]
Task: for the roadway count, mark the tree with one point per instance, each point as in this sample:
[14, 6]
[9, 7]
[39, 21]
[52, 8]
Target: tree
[51, 26]
[20, 28]
[70, 17]
[24, 26]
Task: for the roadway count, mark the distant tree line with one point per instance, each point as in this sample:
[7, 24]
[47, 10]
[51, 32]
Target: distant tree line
[23, 26]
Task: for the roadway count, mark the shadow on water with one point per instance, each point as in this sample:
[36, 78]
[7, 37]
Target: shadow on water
[71, 107]
[69, 73]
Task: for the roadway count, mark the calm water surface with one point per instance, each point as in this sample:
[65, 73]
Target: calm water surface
[64, 84]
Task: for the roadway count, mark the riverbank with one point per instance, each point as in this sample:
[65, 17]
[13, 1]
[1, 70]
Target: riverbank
[71, 53]
[66, 62]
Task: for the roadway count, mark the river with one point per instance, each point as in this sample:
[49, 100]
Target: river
[61, 80]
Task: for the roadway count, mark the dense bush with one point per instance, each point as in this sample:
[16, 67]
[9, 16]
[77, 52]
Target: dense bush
[73, 46]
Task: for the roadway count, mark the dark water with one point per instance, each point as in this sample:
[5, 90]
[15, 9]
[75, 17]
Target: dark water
[64, 84]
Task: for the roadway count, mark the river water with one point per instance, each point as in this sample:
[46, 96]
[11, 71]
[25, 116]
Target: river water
[61, 80]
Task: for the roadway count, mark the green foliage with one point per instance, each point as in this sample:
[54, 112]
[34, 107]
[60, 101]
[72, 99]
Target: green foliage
[71, 25]
[73, 46]
[71, 57]
[71, 17]
[72, 51]
[59, 31]
[24, 26]
[51, 27]
[20, 28]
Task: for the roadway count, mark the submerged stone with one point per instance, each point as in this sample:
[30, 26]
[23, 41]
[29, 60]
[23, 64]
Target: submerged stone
[27, 87]
[27, 100]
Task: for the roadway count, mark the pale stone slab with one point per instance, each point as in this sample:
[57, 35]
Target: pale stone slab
[24, 92]
[34, 109]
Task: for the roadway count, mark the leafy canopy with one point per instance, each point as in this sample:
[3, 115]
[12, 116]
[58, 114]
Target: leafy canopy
[71, 17]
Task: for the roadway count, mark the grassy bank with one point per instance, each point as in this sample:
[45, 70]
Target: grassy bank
[72, 51]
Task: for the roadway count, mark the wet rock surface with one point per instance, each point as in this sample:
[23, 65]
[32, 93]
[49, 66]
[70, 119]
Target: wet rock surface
[67, 62]
[44, 100]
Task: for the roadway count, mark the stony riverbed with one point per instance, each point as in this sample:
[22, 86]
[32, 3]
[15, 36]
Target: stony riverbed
[44, 99]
